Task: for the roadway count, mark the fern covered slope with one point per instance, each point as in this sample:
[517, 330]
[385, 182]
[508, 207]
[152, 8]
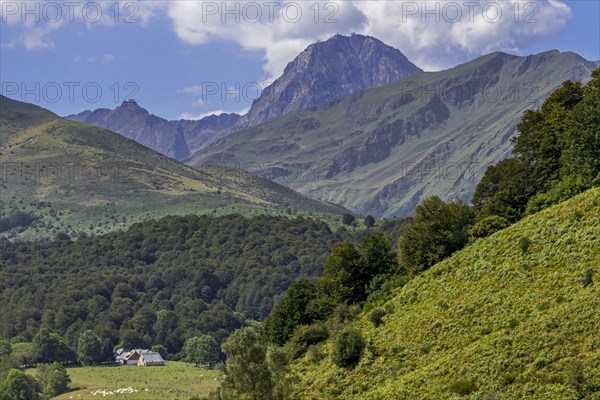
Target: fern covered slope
[498, 320]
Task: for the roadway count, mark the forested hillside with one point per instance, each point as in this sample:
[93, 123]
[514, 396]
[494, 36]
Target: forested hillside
[160, 282]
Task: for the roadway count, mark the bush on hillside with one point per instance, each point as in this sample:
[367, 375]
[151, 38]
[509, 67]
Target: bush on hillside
[348, 348]
[306, 336]
[463, 387]
[563, 190]
[488, 226]
[376, 317]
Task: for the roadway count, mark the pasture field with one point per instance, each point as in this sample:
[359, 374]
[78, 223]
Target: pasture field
[176, 380]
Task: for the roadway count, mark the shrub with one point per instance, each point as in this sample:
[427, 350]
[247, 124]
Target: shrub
[369, 221]
[348, 219]
[54, 378]
[376, 317]
[17, 218]
[382, 287]
[438, 229]
[524, 244]
[463, 387]
[509, 378]
[588, 278]
[306, 336]
[569, 187]
[348, 348]
[489, 225]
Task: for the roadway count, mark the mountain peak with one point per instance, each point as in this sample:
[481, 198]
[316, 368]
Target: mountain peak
[327, 71]
[131, 105]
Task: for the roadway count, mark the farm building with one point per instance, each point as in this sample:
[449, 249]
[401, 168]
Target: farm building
[119, 356]
[150, 359]
[132, 357]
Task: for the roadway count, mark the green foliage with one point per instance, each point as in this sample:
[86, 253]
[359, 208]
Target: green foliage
[5, 349]
[557, 155]
[277, 361]
[306, 336]
[588, 278]
[291, 311]
[581, 155]
[246, 367]
[348, 348]
[369, 221]
[202, 350]
[517, 327]
[504, 190]
[524, 244]
[338, 274]
[488, 226]
[463, 387]
[160, 282]
[15, 219]
[54, 379]
[540, 141]
[349, 271]
[348, 219]
[568, 187]
[376, 317]
[49, 347]
[89, 348]
[19, 386]
[439, 229]
[383, 286]
[8, 360]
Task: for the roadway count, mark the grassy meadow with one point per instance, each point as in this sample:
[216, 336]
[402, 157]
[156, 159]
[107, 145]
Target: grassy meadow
[176, 380]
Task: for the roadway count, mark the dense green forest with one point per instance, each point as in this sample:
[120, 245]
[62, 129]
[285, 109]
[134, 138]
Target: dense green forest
[162, 282]
[159, 282]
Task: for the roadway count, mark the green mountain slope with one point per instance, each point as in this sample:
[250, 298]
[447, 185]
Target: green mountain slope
[491, 322]
[79, 178]
[382, 150]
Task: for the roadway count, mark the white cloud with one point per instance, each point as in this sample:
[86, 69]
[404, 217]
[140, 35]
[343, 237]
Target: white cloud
[107, 58]
[281, 32]
[195, 117]
[200, 102]
[427, 31]
[194, 89]
[433, 34]
[462, 32]
[104, 59]
[32, 22]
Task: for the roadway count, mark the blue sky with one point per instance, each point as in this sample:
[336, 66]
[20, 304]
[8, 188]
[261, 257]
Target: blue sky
[181, 59]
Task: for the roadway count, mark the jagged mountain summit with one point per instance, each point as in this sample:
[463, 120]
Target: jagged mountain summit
[175, 139]
[323, 73]
[327, 71]
[380, 151]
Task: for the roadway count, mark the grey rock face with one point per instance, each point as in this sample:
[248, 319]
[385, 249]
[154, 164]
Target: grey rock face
[328, 71]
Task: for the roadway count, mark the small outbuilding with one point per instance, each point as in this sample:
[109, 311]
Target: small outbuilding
[132, 357]
[151, 359]
[119, 356]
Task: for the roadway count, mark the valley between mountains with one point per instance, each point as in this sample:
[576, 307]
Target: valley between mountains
[366, 230]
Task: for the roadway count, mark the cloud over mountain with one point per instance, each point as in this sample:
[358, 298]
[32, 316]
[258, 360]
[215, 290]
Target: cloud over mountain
[433, 34]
